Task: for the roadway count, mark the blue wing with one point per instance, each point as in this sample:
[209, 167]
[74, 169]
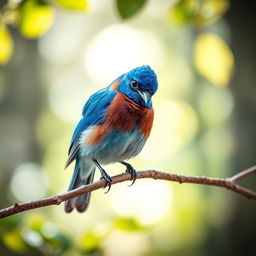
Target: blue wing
[94, 112]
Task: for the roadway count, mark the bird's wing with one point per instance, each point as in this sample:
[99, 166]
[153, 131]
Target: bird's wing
[94, 112]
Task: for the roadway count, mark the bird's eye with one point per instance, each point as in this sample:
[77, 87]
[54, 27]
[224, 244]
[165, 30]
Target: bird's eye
[134, 84]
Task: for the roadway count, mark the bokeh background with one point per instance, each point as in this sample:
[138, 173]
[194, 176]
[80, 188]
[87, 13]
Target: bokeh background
[55, 54]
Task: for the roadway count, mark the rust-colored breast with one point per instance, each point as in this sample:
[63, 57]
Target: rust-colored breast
[146, 122]
[97, 135]
[123, 114]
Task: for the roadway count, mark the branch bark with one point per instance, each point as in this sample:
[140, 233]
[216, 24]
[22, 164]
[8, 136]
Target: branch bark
[228, 183]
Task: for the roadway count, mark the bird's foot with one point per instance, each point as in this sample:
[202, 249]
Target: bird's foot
[108, 180]
[104, 175]
[132, 171]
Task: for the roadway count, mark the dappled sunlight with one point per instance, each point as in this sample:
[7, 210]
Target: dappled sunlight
[97, 218]
[53, 164]
[188, 220]
[123, 48]
[125, 243]
[175, 125]
[63, 40]
[32, 237]
[175, 79]
[44, 84]
[68, 94]
[46, 133]
[28, 177]
[215, 104]
[218, 143]
[140, 201]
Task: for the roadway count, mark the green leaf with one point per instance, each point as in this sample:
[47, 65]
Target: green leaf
[36, 18]
[128, 8]
[128, 224]
[6, 44]
[76, 5]
[90, 241]
[60, 241]
[184, 11]
[9, 223]
[197, 11]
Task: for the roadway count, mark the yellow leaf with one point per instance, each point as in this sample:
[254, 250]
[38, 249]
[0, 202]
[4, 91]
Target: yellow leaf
[78, 5]
[13, 240]
[36, 18]
[213, 59]
[6, 45]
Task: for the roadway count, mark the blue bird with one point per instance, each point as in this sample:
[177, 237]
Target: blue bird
[116, 122]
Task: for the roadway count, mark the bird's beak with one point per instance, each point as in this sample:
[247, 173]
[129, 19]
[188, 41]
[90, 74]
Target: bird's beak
[145, 96]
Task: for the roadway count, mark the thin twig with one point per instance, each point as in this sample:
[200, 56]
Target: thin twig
[243, 174]
[228, 183]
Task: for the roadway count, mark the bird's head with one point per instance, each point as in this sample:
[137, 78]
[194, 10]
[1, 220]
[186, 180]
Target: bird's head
[139, 84]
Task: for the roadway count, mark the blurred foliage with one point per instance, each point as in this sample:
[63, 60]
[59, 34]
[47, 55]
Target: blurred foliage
[36, 17]
[214, 59]
[32, 17]
[128, 224]
[198, 12]
[35, 234]
[64, 51]
[127, 9]
[90, 241]
[14, 241]
[77, 5]
[6, 44]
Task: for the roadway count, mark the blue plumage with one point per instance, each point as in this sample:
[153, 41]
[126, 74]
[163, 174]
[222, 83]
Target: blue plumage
[147, 80]
[114, 127]
[93, 113]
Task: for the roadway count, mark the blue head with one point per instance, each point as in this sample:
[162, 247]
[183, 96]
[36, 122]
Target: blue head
[139, 84]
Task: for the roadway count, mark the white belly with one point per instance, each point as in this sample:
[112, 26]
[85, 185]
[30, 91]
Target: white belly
[116, 146]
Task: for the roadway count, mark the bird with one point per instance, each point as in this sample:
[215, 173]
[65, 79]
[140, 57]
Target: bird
[116, 122]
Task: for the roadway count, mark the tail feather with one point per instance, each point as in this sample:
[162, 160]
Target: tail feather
[81, 202]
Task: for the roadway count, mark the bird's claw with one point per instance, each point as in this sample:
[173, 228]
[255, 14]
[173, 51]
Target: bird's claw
[108, 180]
[132, 171]
[104, 175]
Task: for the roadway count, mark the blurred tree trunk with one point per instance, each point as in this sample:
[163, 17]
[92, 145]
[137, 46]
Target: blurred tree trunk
[19, 109]
[238, 237]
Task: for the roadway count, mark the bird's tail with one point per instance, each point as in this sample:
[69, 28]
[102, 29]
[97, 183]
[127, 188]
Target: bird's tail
[80, 202]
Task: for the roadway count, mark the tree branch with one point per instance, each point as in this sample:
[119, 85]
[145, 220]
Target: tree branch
[228, 183]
